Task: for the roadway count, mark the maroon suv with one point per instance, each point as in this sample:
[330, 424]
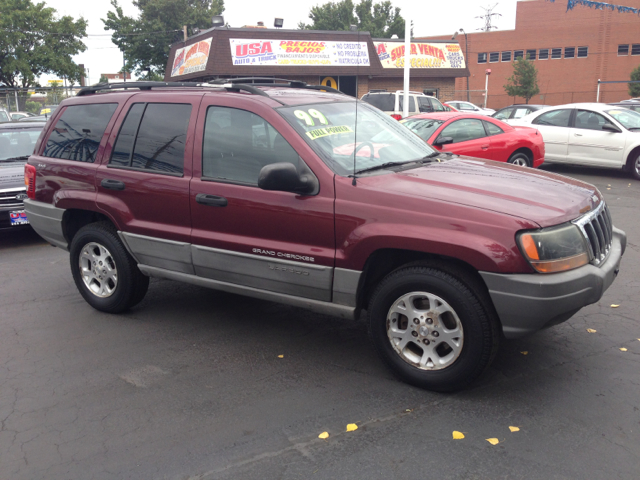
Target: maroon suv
[310, 198]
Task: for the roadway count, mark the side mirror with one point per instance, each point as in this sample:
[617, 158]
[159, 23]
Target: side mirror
[610, 128]
[284, 177]
[442, 141]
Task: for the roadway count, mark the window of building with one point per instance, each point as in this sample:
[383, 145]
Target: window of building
[623, 50]
[543, 54]
[518, 54]
[78, 132]
[569, 52]
[494, 57]
[556, 53]
[635, 49]
[531, 54]
[482, 58]
[506, 56]
[583, 52]
[159, 144]
[238, 144]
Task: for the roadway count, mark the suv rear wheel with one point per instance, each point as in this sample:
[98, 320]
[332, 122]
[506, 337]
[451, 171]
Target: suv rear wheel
[431, 329]
[105, 273]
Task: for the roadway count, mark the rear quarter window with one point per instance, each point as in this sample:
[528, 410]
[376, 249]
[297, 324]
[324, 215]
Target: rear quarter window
[78, 132]
[384, 101]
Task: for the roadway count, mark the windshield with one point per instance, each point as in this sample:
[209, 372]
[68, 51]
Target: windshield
[331, 130]
[18, 142]
[423, 127]
[628, 118]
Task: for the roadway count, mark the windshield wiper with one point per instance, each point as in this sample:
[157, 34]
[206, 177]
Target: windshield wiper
[11, 159]
[397, 164]
[634, 128]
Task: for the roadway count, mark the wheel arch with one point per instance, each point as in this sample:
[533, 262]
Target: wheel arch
[526, 150]
[74, 219]
[631, 156]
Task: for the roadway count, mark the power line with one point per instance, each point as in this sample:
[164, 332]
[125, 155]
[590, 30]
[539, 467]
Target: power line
[91, 34]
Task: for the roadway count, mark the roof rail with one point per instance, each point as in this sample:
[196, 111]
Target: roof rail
[139, 85]
[286, 83]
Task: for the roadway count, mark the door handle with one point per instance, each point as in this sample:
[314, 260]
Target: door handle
[578, 134]
[484, 147]
[211, 200]
[112, 184]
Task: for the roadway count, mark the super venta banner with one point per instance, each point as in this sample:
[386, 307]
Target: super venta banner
[191, 59]
[423, 55]
[298, 52]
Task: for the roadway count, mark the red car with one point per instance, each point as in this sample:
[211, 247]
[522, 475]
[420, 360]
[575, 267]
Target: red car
[479, 136]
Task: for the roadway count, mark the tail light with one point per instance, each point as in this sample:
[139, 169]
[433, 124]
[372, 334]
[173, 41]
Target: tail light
[30, 180]
[395, 116]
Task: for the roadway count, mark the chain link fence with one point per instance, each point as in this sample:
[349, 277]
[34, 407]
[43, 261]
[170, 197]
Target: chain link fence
[32, 99]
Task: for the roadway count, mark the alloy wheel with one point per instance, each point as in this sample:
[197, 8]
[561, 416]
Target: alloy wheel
[98, 270]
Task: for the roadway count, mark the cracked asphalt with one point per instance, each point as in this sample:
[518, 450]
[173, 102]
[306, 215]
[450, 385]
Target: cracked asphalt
[188, 385]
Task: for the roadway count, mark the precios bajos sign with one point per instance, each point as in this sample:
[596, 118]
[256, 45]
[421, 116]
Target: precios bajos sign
[423, 55]
[297, 52]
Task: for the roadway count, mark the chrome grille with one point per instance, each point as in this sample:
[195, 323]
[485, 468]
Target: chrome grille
[597, 228]
[8, 198]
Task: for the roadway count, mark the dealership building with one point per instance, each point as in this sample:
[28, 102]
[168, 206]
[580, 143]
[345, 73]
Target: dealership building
[571, 49]
[352, 62]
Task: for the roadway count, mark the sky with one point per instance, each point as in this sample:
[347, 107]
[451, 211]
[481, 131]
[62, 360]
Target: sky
[429, 18]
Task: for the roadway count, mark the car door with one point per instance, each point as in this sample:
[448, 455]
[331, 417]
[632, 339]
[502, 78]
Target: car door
[554, 127]
[469, 138]
[270, 240]
[144, 185]
[589, 144]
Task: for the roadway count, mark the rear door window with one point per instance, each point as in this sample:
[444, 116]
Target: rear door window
[424, 105]
[78, 132]
[555, 118]
[384, 101]
[412, 103]
[437, 106]
[153, 138]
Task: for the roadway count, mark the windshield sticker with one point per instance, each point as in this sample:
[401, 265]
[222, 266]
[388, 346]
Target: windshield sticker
[306, 117]
[326, 131]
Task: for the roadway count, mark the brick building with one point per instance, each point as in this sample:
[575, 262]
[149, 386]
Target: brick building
[571, 50]
[353, 62]
[116, 77]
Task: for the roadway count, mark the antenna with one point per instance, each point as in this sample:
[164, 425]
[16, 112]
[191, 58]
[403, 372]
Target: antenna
[355, 132]
[487, 17]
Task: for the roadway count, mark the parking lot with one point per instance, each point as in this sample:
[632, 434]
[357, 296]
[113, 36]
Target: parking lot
[200, 384]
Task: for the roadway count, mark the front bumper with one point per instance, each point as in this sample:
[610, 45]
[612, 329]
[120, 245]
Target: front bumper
[527, 303]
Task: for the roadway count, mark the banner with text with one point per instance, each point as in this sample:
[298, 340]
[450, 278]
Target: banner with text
[191, 59]
[423, 55]
[298, 52]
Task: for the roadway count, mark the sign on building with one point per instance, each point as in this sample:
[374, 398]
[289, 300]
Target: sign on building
[423, 55]
[298, 52]
[191, 59]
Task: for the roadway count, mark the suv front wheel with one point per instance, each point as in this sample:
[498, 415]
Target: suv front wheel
[431, 329]
[104, 272]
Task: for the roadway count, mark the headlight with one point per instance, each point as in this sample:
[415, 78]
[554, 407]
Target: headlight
[554, 249]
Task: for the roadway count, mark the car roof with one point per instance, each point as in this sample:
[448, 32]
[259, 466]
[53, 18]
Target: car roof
[21, 125]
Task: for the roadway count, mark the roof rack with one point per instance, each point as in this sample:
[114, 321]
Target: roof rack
[270, 82]
[139, 85]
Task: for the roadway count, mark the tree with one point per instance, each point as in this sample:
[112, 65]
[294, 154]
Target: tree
[34, 42]
[524, 81]
[381, 19]
[103, 78]
[634, 88]
[146, 40]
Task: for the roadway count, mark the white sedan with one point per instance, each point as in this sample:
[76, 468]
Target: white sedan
[469, 107]
[591, 134]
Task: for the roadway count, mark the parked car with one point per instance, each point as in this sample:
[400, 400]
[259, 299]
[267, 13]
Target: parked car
[468, 107]
[590, 134]
[264, 190]
[15, 116]
[37, 118]
[479, 136]
[513, 112]
[635, 106]
[392, 103]
[4, 116]
[16, 144]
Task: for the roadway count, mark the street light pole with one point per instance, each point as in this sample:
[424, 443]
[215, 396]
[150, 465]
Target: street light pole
[466, 58]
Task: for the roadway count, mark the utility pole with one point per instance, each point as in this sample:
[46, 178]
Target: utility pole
[124, 67]
[184, 32]
[487, 17]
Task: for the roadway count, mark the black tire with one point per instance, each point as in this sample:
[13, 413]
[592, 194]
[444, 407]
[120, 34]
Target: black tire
[477, 320]
[131, 285]
[633, 166]
[520, 158]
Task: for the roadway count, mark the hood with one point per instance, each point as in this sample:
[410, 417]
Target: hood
[541, 197]
[11, 175]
